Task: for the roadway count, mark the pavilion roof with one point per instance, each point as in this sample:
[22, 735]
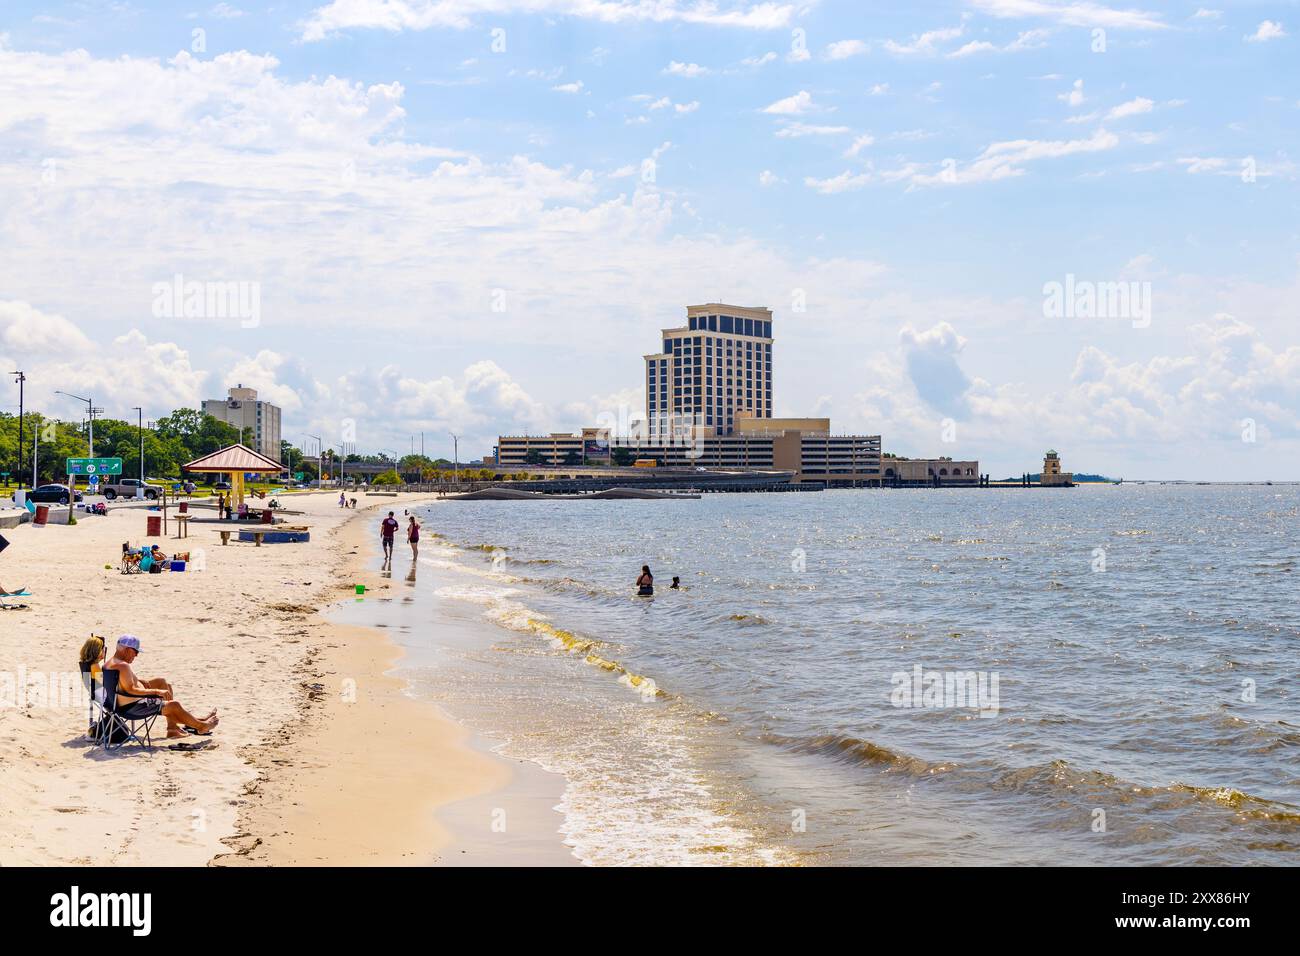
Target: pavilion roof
[234, 458]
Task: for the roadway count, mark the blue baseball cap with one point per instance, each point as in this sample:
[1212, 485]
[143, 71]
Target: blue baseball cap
[126, 640]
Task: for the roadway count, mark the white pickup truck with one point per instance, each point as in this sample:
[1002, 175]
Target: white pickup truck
[126, 488]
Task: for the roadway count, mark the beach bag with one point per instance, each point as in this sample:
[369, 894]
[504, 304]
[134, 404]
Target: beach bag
[155, 568]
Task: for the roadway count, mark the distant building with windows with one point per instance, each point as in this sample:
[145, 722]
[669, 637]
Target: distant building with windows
[258, 420]
[709, 405]
[715, 367]
[935, 472]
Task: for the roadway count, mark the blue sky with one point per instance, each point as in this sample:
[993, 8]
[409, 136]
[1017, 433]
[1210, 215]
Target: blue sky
[475, 215]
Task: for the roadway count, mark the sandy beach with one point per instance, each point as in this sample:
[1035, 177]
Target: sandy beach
[320, 758]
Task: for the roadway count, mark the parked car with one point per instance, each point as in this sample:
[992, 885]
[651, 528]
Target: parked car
[221, 486]
[50, 494]
[127, 488]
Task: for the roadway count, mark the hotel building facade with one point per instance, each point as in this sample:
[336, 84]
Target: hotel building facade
[712, 369]
[258, 421]
[709, 405]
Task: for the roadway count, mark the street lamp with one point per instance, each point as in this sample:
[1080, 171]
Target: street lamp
[455, 444]
[20, 379]
[91, 412]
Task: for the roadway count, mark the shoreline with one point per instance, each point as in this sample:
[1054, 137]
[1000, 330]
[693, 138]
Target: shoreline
[376, 776]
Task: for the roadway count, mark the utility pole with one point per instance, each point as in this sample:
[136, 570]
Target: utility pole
[455, 444]
[21, 378]
[139, 427]
[91, 412]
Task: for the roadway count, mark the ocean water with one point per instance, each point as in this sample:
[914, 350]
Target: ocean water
[1131, 655]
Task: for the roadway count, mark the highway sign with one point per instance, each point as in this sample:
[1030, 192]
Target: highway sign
[94, 466]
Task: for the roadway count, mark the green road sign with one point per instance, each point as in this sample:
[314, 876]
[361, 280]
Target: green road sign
[299, 475]
[94, 466]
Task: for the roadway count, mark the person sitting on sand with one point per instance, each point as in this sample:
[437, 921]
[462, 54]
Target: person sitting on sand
[7, 592]
[645, 584]
[138, 699]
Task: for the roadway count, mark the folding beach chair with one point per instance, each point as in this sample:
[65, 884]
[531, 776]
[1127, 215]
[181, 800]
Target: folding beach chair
[117, 726]
[95, 707]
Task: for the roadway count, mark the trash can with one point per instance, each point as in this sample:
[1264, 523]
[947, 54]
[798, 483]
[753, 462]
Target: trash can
[185, 507]
[267, 516]
[42, 515]
[154, 526]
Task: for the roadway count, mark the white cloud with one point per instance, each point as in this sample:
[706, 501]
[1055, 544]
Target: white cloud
[1008, 159]
[687, 70]
[690, 107]
[225, 11]
[1074, 96]
[844, 182]
[801, 102]
[859, 144]
[879, 89]
[768, 178]
[1267, 30]
[757, 61]
[1112, 412]
[844, 49]
[398, 15]
[796, 130]
[926, 43]
[1206, 14]
[574, 87]
[1027, 40]
[1133, 107]
[1074, 13]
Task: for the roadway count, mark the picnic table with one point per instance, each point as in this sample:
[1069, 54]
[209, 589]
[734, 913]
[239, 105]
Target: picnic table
[257, 533]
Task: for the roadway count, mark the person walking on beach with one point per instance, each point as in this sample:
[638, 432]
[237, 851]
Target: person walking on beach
[645, 584]
[387, 531]
[413, 537]
[343, 500]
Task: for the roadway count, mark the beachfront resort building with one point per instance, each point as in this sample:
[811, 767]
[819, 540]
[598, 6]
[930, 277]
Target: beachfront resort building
[711, 370]
[804, 446]
[1052, 476]
[258, 421]
[709, 405]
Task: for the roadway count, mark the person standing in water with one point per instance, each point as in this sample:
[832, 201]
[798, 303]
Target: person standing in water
[413, 537]
[645, 584]
[387, 531]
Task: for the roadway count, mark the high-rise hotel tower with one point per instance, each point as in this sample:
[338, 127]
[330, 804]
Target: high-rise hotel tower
[712, 369]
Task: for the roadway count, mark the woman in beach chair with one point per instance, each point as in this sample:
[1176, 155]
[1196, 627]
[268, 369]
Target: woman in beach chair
[90, 663]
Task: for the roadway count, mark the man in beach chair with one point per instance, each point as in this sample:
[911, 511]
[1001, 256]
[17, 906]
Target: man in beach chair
[128, 700]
